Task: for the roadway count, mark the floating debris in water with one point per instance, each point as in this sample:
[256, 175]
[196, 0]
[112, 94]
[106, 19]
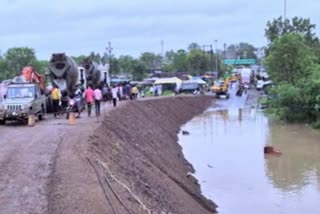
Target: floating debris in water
[271, 150]
[185, 132]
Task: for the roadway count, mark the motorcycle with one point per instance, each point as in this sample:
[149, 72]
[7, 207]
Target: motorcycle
[74, 105]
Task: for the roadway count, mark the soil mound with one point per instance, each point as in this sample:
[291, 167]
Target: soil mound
[138, 162]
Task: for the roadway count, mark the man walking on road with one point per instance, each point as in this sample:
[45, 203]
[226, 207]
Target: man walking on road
[97, 100]
[114, 92]
[55, 96]
[89, 95]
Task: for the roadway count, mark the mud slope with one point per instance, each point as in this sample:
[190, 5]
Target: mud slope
[136, 156]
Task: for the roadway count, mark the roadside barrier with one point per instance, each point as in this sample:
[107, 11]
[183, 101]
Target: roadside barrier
[31, 120]
[71, 118]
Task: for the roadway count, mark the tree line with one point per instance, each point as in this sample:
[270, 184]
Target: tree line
[195, 59]
[293, 61]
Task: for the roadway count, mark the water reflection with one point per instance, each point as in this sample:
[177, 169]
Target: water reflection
[231, 142]
[300, 163]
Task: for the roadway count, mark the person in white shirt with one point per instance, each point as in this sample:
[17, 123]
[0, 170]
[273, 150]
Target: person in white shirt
[114, 92]
[97, 93]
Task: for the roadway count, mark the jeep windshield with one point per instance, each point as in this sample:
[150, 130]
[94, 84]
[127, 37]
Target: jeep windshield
[20, 92]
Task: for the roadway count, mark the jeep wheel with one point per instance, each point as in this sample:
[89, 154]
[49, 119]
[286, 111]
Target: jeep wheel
[2, 122]
[41, 115]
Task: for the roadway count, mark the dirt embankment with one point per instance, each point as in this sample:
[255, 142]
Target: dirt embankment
[133, 164]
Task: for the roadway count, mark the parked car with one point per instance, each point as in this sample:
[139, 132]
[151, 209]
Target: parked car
[188, 88]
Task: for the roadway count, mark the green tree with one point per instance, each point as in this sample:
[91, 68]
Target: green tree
[288, 59]
[247, 51]
[41, 66]
[104, 59]
[114, 66]
[180, 61]
[79, 59]
[17, 58]
[242, 50]
[169, 55]
[302, 26]
[126, 64]
[151, 61]
[198, 61]
[194, 46]
[298, 103]
[168, 65]
[4, 73]
[95, 57]
[139, 70]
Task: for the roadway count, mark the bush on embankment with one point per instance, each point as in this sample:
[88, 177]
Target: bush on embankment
[294, 68]
[137, 145]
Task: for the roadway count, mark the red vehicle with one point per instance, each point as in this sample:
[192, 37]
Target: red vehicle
[30, 74]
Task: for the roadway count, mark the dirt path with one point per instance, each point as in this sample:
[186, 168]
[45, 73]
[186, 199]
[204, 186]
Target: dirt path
[26, 156]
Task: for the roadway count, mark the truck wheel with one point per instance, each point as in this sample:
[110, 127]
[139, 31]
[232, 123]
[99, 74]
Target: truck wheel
[2, 122]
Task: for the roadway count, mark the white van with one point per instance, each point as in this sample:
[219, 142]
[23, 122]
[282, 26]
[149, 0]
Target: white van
[265, 81]
[260, 84]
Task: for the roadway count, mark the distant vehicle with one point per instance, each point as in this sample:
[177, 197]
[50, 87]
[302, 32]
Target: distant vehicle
[259, 85]
[221, 88]
[263, 81]
[245, 75]
[93, 73]
[188, 88]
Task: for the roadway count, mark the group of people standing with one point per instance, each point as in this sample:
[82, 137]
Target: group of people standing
[92, 96]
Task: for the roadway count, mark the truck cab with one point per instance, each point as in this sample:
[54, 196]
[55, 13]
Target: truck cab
[22, 99]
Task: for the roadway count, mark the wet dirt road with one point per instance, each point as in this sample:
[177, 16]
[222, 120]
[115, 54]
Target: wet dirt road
[27, 156]
[226, 149]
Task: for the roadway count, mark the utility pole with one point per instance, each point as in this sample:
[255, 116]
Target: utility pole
[216, 43]
[224, 50]
[285, 10]
[162, 54]
[211, 55]
[109, 49]
[211, 58]
[162, 48]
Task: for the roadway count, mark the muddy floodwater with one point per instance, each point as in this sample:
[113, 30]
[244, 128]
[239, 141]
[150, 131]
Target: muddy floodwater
[225, 146]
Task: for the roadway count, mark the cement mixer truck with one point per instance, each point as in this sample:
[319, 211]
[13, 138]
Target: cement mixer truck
[93, 74]
[63, 72]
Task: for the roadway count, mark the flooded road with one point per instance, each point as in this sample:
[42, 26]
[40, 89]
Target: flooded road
[225, 146]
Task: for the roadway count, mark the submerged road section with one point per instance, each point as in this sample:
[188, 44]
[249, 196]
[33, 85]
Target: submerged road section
[225, 146]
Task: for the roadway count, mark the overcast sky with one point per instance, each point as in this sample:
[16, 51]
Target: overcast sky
[134, 26]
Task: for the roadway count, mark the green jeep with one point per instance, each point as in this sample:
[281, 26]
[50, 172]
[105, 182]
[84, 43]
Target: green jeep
[21, 100]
